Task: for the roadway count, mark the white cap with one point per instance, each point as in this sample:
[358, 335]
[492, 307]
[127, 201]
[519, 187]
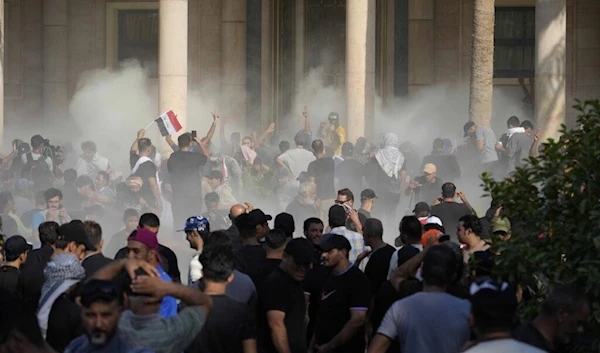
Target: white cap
[434, 220]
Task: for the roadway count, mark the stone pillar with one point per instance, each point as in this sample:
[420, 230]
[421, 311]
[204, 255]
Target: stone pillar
[55, 54]
[550, 65]
[360, 66]
[420, 45]
[233, 41]
[299, 43]
[173, 58]
[266, 106]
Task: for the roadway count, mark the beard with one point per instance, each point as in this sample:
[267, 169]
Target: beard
[100, 337]
[309, 201]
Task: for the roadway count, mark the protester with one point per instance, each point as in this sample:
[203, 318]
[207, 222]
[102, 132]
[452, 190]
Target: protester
[196, 231]
[306, 204]
[55, 212]
[378, 266]
[484, 140]
[215, 214]
[15, 250]
[252, 254]
[131, 219]
[411, 232]
[32, 271]
[449, 211]
[446, 164]
[94, 259]
[297, 159]
[143, 167]
[425, 188]
[337, 223]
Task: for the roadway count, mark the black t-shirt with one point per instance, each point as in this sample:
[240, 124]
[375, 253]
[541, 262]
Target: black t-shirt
[94, 263]
[32, 273]
[342, 293]
[428, 192]
[252, 258]
[322, 170]
[64, 323]
[313, 284]
[268, 266]
[350, 174]
[146, 171]
[301, 212]
[184, 170]
[378, 266]
[529, 334]
[168, 264]
[281, 293]
[229, 324]
[449, 213]
[10, 280]
[379, 181]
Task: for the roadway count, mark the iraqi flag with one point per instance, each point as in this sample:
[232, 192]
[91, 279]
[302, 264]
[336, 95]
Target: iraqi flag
[168, 123]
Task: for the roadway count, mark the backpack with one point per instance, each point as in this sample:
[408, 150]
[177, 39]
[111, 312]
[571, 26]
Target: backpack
[37, 170]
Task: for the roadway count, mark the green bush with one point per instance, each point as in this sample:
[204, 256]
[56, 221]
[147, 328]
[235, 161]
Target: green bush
[554, 202]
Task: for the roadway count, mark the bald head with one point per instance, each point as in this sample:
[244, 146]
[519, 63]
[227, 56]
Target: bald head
[236, 210]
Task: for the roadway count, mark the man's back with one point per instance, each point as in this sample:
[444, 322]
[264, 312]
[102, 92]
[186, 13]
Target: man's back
[184, 168]
[350, 174]
[428, 322]
[297, 160]
[502, 346]
[322, 170]
[10, 279]
[488, 154]
[449, 213]
[518, 149]
[446, 164]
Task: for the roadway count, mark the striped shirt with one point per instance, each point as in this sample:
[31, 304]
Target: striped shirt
[356, 241]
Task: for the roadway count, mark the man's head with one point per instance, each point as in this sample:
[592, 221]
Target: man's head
[318, 148]
[334, 119]
[438, 145]
[513, 122]
[429, 172]
[469, 128]
[336, 249]
[211, 201]
[16, 249]
[196, 231]
[93, 231]
[215, 178]
[308, 192]
[501, 228]
[372, 231]
[275, 241]
[72, 239]
[411, 230]
[313, 230]
[235, 211]
[301, 138]
[337, 216]
[89, 150]
[421, 210]
[150, 221]
[144, 147]
[439, 266]
[528, 126]
[448, 191]
[101, 308]
[284, 146]
[53, 198]
[142, 244]
[469, 229]
[345, 197]
[7, 203]
[567, 310]
[85, 186]
[367, 199]
[48, 232]
[131, 219]
[493, 307]
[134, 183]
[347, 150]
[247, 141]
[285, 223]
[70, 176]
[217, 266]
[261, 220]
[297, 258]
[184, 141]
[102, 179]
[246, 225]
[37, 142]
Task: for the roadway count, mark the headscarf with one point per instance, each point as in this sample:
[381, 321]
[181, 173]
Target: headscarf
[134, 181]
[389, 156]
[248, 153]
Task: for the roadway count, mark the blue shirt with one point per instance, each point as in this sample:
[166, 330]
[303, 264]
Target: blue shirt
[168, 307]
[38, 219]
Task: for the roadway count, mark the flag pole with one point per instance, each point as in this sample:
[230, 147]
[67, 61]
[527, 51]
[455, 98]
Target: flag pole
[152, 122]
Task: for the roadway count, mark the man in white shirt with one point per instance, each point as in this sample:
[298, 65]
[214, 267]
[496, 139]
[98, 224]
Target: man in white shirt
[37, 144]
[297, 159]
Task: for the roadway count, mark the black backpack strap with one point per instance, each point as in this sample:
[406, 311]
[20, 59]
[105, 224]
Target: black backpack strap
[29, 157]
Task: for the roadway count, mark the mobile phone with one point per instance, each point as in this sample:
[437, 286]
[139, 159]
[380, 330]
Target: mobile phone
[194, 134]
[347, 208]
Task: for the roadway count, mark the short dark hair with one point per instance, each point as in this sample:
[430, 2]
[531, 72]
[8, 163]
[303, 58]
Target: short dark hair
[218, 241]
[513, 121]
[130, 212]
[317, 146]
[448, 190]
[411, 227]
[211, 197]
[184, 140]
[346, 192]
[48, 232]
[52, 193]
[564, 297]
[438, 144]
[89, 145]
[347, 149]
[526, 124]
[37, 141]
[217, 266]
[275, 239]
[85, 180]
[70, 175]
[103, 291]
[284, 146]
[215, 174]
[301, 138]
[439, 266]
[473, 223]
[149, 220]
[105, 175]
[93, 231]
[245, 226]
[310, 221]
[144, 143]
[373, 228]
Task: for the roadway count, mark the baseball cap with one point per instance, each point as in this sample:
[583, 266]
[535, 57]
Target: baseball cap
[146, 237]
[16, 245]
[334, 241]
[300, 250]
[74, 232]
[434, 220]
[367, 194]
[285, 222]
[429, 168]
[259, 217]
[501, 224]
[196, 223]
[337, 212]
[421, 207]
[467, 126]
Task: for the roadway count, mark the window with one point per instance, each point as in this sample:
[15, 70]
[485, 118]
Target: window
[138, 38]
[514, 42]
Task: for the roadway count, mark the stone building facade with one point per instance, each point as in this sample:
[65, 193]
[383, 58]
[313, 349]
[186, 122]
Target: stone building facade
[255, 51]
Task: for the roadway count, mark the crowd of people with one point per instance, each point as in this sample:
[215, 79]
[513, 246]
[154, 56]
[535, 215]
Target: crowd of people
[319, 277]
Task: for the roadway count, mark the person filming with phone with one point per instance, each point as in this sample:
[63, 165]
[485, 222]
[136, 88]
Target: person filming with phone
[425, 188]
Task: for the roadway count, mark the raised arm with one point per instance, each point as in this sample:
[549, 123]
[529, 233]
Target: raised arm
[213, 128]
[306, 120]
[140, 135]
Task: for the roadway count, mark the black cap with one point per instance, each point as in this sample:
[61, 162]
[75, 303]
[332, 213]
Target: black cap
[337, 213]
[15, 246]
[467, 126]
[74, 232]
[421, 207]
[367, 194]
[285, 222]
[492, 298]
[259, 217]
[245, 222]
[334, 241]
[301, 251]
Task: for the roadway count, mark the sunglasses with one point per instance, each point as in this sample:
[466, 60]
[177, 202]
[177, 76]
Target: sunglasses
[338, 202]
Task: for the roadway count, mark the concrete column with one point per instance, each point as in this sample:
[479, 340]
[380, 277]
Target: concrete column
[173, 58]
[2, 27]
[299, 43]
[233, 42]
[420, 44]
[550, 65]
[266, 106]
[360, 66]
[55, 55]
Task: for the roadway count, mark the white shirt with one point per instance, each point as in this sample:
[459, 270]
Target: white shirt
[297, 159]
[394, 260]
[502, 346]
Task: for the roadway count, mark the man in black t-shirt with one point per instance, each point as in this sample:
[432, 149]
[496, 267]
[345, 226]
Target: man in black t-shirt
[350, 173]
[425, 188]
[143, 166]
[345, 299]
[252, 254]
[184, 171]
[282, 301]
[16, 249]
[449, 211]
[379, 260]
[321, 172]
